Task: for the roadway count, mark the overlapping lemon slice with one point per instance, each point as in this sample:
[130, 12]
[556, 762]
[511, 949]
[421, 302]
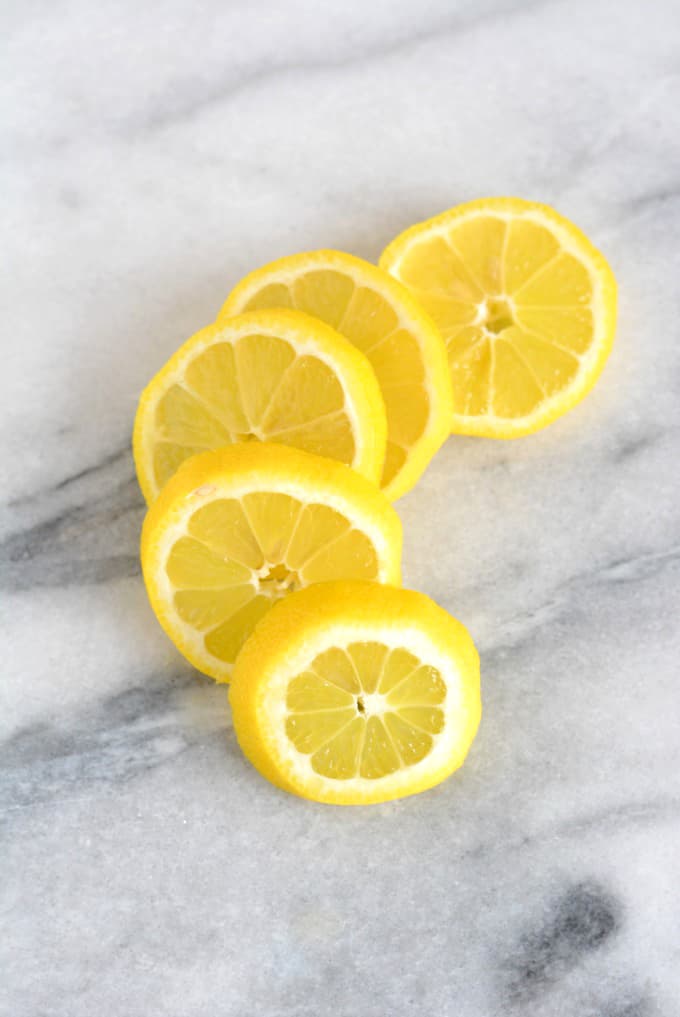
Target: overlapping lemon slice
[352, 692]
[379, 317]
[236, 529]
[277, 376]
[526, 305]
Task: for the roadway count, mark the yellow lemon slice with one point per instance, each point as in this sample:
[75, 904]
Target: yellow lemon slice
[277, 376]
[351, 692]
[236, 529]
[526, 305]
[381, 318]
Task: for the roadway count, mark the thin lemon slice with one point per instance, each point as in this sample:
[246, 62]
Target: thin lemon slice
[379, 317]
[278, 376]
[238, 528]
[526, 305]
[352, 692]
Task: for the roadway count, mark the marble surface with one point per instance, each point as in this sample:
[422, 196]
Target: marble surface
[151, 154]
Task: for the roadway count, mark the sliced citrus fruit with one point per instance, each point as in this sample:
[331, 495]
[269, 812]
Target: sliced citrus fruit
[352, 692]
[238, 528]
[526, 305]
[276, 375]
[381, 318]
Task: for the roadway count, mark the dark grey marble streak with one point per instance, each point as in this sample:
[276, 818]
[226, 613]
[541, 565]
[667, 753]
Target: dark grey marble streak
[123, 736]
[580, 920]
[92, 538]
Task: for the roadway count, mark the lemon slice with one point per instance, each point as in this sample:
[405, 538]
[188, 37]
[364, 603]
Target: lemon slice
[277, 376]
[238, 528]
[526, 305]
[351, 692]
[379, 317]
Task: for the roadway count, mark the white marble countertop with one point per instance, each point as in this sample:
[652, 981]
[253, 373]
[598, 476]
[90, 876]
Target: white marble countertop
[153, 153]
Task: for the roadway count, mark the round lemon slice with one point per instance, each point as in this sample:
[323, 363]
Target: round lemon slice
[238, 528]
[351, 693]
[526, 305]
[278, 376]
[380, 317]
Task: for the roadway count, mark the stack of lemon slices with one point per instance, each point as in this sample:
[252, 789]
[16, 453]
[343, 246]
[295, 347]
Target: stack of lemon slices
[271, 445]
